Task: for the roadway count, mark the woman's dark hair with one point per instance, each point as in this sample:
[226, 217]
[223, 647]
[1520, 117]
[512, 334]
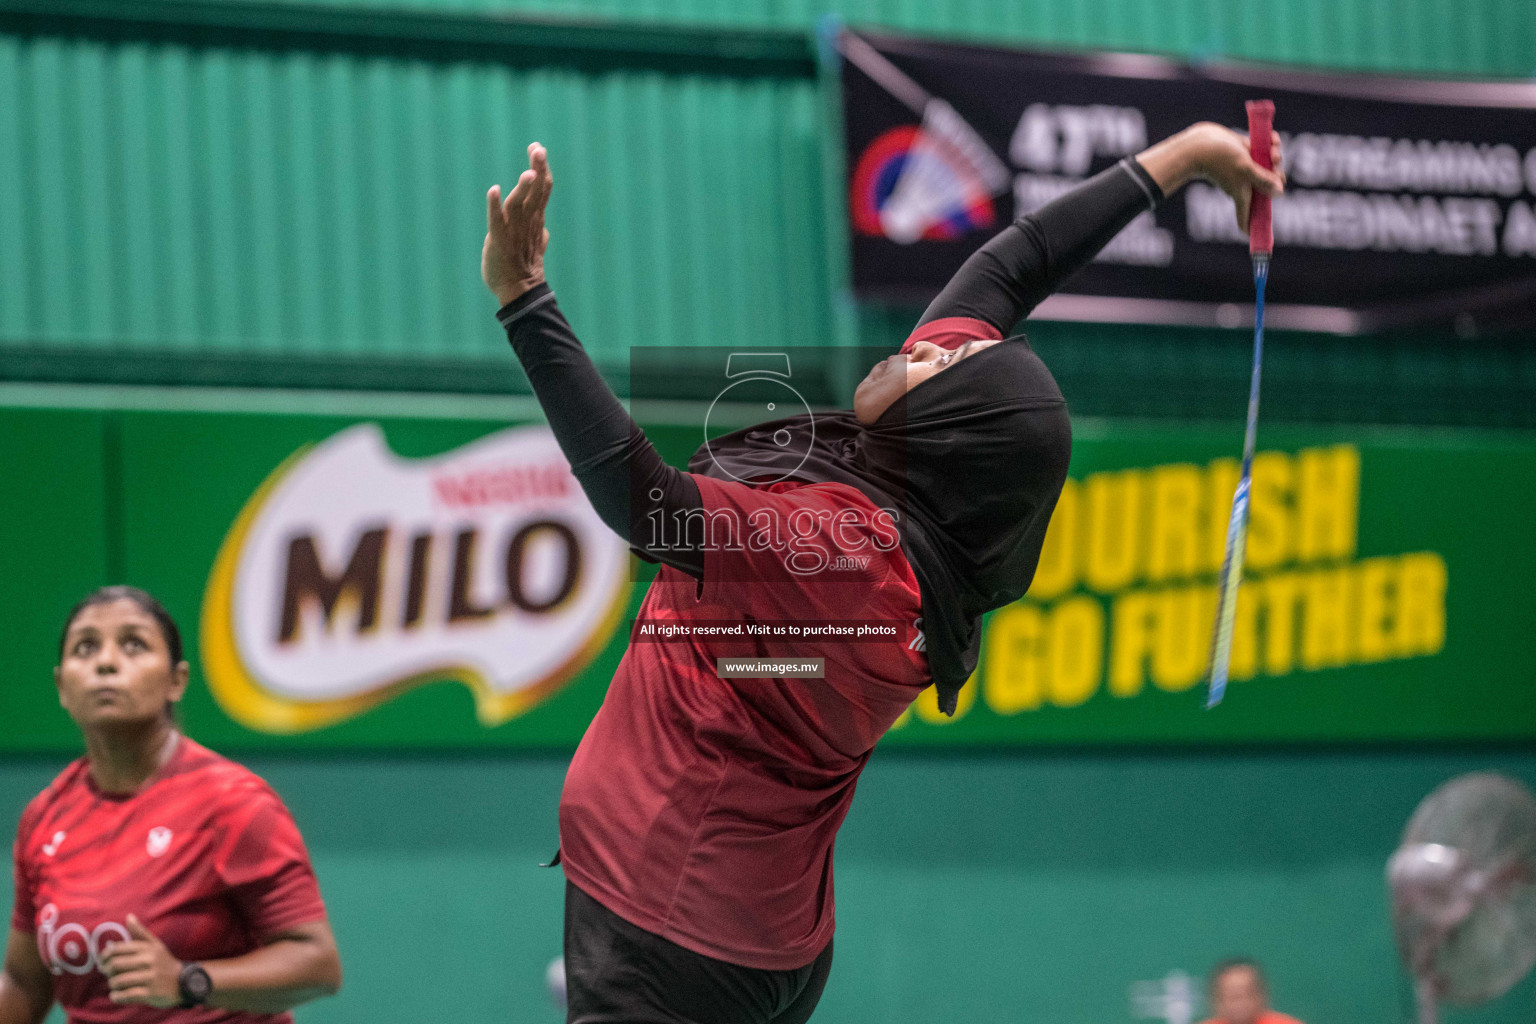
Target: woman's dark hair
[147, 604]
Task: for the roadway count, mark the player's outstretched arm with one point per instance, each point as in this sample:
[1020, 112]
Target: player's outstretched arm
[296, 965]
[1218, 155]
[616, 464]
[1014, 272]
[26, 987]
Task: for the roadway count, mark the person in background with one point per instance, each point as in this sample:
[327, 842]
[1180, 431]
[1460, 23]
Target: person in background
[1240, 995]
[155, 880]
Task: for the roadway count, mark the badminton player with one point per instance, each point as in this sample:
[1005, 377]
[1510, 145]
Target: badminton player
[155, 880]
[699, 813]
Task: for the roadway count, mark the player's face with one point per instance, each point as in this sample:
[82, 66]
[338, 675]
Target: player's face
[1238, 996]
[891, 378]
[117, 668]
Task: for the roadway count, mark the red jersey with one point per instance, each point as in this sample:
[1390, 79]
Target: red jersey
[704, 809]
[205, 854]
[1267, 1017]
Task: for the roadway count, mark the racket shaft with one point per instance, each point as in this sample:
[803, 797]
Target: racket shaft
[1237, 527]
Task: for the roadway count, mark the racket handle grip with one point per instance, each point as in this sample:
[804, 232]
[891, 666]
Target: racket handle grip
[1261, 121]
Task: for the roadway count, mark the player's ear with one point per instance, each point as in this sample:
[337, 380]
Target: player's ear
[58, 682]
[179, 677]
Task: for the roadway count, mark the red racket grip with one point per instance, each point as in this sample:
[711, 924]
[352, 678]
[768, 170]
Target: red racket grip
[1261, 230]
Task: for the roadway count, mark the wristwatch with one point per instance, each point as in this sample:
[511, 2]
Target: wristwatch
[194, 984]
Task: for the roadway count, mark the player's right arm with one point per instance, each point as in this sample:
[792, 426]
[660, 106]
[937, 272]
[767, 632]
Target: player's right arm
[26, 987]
[1028, 260]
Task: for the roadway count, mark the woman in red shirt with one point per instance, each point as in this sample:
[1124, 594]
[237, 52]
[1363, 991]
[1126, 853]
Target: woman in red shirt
[699, 814]
[155, 880]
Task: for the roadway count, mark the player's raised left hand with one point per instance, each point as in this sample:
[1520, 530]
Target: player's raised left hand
[512, 260]
[141, 971]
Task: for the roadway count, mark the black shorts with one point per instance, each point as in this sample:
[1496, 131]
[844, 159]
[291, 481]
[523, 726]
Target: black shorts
[618, 973]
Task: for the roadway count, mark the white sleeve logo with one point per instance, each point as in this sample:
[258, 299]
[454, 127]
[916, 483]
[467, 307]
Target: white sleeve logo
[158, 842]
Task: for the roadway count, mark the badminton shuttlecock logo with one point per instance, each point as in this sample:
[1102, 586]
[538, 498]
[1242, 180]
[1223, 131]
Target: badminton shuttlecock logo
[948, 173]
[353, 574]
[935, 180]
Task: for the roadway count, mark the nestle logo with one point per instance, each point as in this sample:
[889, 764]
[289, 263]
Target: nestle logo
[503, 485]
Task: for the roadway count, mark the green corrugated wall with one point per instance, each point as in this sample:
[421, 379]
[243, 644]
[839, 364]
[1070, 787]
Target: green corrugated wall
[209, 200]
[222, 212]
[1478, 37]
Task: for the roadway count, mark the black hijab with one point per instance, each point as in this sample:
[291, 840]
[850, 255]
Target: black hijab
[973, 460]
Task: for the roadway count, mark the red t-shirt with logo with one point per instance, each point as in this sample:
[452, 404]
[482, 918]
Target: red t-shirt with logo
[704, 809]
[205, 855]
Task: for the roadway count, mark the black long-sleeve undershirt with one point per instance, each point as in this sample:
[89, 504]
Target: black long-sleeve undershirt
[618, 467]
[1013, 272]
[615, 463]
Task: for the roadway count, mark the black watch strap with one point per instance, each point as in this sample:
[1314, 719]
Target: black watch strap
[195, 985]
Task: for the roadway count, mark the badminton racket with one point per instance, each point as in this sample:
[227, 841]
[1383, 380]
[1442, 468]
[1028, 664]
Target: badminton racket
[1261, 244]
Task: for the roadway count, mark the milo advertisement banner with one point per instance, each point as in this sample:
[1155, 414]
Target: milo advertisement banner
[353, 574]
[442, 583]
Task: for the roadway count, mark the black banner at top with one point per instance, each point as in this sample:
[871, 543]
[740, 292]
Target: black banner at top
[1408, 202]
